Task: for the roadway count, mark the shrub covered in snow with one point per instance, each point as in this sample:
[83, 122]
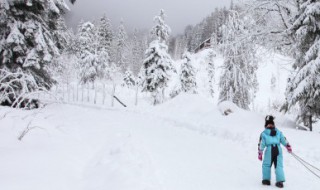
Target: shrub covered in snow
[227, 107]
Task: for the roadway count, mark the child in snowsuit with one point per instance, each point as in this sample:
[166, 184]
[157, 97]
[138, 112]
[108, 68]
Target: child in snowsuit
[270, 140]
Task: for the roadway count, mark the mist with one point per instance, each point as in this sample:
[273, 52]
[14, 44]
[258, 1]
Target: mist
[139, 13]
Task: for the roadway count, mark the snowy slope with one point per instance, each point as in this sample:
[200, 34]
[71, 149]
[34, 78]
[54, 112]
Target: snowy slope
[184, 144]
[268, 64]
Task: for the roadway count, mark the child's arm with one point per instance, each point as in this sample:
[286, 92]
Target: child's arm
[284, 142]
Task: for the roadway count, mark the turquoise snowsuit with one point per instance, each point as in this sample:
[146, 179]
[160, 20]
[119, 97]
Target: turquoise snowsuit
[271, 139]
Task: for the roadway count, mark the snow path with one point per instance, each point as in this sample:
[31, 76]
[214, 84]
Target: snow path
[92, 149]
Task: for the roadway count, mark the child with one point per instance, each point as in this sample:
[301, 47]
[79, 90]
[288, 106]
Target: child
[270, 139]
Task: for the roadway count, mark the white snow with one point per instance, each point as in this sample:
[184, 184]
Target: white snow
[183, 144]
[186, 143]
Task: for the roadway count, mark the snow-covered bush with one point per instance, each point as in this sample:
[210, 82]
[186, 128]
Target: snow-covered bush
[227, 107]
[16, 89]
[128, 79]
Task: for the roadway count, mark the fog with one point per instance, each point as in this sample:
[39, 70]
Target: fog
[139, 13]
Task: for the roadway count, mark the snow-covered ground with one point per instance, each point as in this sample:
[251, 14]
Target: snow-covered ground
[185, 143]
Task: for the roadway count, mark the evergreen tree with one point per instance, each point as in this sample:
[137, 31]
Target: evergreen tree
[211, 72]
[188, 75]
[28, 42]
[121, 47]
[304, 86]
[238, 82]
[137, 53]
[129, 79]
[93, 62]
[157, 65]
[105, 33]
[87, 55]
[161, 31]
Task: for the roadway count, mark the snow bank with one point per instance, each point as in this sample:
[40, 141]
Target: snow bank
[227, 108]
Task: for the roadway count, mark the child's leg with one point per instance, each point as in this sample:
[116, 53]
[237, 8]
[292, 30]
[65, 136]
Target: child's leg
[266, 165]
[279, 169]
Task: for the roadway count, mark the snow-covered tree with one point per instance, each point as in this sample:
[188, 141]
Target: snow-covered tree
[304, 86]
[105, 33]
[137, 50]
[90, 65]
[273, 20]
[161, 31]
[30, 38]
[128, 79]
[211, 72]
[157, 66]
[188, 75]
[121, 47]
[238, 82]
[28, 41]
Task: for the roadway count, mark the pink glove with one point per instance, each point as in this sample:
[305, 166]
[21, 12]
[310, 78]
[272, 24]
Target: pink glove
[289, 148]
[260, 153]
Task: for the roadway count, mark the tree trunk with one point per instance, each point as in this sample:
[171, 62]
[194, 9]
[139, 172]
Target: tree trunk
[136, 99]
[95, 93]
[310, 122]
[104, 94]
[88, 92]
[112, 95]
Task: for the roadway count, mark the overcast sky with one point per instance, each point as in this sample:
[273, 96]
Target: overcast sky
[139, 13]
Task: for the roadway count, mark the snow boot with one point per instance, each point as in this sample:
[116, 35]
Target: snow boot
[279, 184]
[265, 182]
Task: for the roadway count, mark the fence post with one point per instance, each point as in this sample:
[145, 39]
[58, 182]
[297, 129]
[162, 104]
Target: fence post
[68, 92]
[73, 93]
[77, 92]
[95, 93]
[56, 93]
[82, 93]
[112, 94]
[88, 93]
[63, 93]
[104, 93]
[136, 100]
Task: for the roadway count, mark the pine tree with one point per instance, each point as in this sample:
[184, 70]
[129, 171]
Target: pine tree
[238, 82]
[161, 31]
[304, 86]
[28, 38]
[137, 53]
[92, 62]
[42, 37]
[129, 79]
[157, 65]
[105, 33]
[211, 72]
[188, 75]
[121, 48]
